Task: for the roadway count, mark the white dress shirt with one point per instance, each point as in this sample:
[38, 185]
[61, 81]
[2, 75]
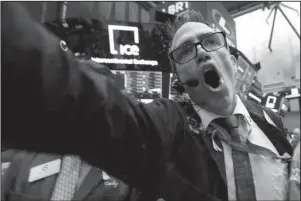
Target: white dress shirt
[270, 175]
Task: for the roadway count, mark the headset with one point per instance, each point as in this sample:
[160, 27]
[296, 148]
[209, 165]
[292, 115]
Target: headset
[178, 86]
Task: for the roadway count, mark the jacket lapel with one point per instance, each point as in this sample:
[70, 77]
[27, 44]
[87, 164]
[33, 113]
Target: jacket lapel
[218, 156]
[93, 178]
[271, 129]
[274, 134]
[43, 187]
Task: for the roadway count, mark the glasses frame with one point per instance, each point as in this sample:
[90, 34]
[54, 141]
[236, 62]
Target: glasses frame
[199, 43]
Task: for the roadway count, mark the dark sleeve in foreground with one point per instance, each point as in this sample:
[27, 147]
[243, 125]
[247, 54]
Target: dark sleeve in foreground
[52, 103]
[8, 155]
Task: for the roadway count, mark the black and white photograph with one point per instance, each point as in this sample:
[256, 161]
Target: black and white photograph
[150, 100]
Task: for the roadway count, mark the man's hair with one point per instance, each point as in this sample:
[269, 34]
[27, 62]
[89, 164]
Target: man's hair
[187, 16]
[172, 26]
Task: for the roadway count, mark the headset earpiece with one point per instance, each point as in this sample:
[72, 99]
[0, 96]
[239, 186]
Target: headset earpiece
[176, 85]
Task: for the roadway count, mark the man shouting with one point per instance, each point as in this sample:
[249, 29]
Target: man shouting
[235, 151]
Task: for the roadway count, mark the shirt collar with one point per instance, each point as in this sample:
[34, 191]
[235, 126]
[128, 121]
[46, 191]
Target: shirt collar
[207, 117]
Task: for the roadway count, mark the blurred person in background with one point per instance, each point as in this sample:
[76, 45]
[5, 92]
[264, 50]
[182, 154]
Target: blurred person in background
[294, 179]
[41, 176]
[295, 137]
[288, 135]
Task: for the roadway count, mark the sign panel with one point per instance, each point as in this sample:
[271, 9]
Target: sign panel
[219, 17]
[119, 45]
[174, 7]
[133, 46]
[213, 12]
[245, 75]
[136, 52]
[272, 101]
[282, 101]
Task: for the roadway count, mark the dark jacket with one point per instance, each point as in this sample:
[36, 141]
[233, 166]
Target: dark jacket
[48, 95]
[8, 155]
[94, 187]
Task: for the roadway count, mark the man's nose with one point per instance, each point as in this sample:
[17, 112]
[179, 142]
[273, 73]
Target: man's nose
[202, 55]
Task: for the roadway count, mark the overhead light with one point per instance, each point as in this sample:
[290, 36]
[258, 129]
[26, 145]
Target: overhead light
[146, 100]
[292, 96]
[254, 97]
[294, 91]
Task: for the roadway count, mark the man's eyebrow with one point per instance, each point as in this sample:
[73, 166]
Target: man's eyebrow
[190, 40]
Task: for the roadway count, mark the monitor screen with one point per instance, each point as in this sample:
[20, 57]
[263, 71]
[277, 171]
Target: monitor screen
[143, 85]
[136, 52]
[245, 75]
[119, 45]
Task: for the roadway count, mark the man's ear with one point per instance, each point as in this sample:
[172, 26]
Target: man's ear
[234, 63]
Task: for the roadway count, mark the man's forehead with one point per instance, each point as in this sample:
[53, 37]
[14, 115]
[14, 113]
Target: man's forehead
[190, 31]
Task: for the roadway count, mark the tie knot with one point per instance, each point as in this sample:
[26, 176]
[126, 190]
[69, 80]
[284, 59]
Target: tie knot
[231, 122]
[237, 127]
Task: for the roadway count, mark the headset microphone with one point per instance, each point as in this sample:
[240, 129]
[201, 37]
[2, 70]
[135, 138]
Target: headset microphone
[178, 86]
[191, 83]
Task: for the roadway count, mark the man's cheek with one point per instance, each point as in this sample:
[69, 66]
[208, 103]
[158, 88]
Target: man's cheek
[187, 72]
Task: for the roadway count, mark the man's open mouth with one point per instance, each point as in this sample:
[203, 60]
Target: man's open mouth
[212, 78]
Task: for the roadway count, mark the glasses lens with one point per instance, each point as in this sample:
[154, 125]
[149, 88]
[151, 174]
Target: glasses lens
[213, 42]
[184, 53]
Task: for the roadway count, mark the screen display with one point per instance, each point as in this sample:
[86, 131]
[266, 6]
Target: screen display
[272, 101]
[143, 85]
[245, 75]
[118, 45]
[131, 46]
[294, 105]
[134, 46]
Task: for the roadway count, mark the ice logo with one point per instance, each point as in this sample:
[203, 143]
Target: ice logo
[124, 49]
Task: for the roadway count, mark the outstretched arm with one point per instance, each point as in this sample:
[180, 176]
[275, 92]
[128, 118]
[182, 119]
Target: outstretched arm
[53, 103]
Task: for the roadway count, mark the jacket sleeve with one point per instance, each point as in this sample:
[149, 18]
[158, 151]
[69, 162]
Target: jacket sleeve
[52, 103]
[9, 178]
[8, 155]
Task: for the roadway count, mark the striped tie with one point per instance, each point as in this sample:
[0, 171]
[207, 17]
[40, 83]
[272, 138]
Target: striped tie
[239, 131]
[65, 185]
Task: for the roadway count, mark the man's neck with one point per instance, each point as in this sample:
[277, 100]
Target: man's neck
[207, 116]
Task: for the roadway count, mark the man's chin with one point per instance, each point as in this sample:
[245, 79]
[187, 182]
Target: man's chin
[225, 111]
[227, 108]
[222, 103]
[223, 107]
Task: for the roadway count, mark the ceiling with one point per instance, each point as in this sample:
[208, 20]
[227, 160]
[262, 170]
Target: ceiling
[237, 8]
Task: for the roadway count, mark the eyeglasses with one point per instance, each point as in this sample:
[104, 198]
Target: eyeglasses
[189, 51]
